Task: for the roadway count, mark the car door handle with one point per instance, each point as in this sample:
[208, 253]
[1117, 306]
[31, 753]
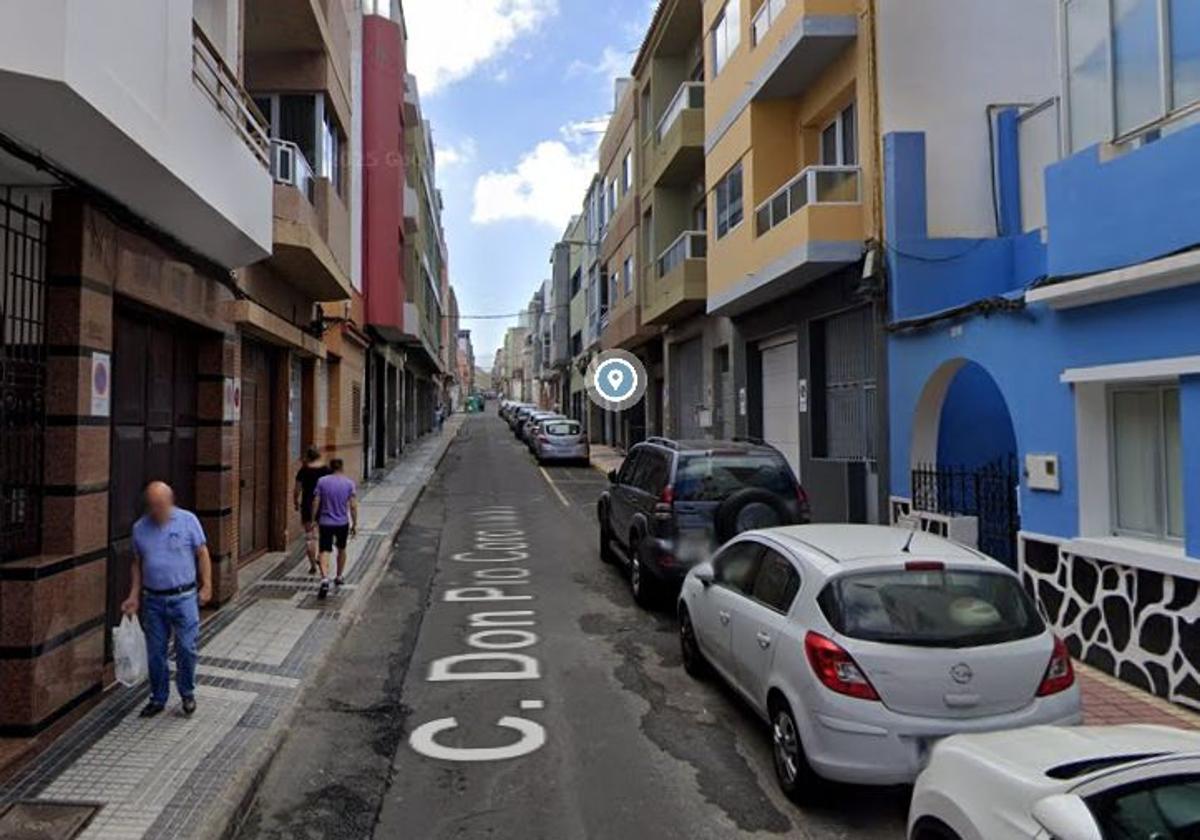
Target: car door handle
[764, 641]
[724, 616]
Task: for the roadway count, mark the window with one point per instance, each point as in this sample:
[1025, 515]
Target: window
[777, 582]
[627, 276]
[612, 198]
[729, 201]
[647, 117]
[737, 566]
[726, 34]
[1129, 63]
[839, 140]
[654, 471]
[577, 344]
[1163, 807]
[1146, 481]
[627, 173]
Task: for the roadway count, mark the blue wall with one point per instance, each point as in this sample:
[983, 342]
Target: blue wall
[1138, 206]
[975, 427]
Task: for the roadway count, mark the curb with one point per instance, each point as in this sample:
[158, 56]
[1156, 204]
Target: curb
[228, 810]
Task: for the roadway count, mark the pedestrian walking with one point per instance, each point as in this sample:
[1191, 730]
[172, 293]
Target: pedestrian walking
[171, 580]
[336, 508]
[311, 471]
[440, 416]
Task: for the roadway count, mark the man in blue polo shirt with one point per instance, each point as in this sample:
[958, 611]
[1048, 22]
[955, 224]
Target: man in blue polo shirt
[169, 549]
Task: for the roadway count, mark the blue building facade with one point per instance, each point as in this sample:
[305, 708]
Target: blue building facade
[1055, 371]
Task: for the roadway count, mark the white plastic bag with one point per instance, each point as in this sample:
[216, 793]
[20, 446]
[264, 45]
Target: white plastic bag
[129, 651]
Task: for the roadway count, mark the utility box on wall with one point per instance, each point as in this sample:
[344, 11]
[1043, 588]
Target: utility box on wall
[1041, 472]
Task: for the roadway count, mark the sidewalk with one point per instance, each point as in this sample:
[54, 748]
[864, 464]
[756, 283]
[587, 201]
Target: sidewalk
[605, 458]
[172, 776]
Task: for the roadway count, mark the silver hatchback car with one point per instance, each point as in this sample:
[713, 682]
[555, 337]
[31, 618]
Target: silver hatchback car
[561, 440]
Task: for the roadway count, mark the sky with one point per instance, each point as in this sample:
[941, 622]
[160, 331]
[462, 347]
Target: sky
[518, 92]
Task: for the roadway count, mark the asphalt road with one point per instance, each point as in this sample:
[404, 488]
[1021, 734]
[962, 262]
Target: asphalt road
[602, 736]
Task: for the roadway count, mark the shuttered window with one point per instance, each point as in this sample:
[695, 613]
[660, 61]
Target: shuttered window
[845, 393]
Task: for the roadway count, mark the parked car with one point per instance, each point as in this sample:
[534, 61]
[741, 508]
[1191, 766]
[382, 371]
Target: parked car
[526, 425]
[672, 502]
[561, 440]
[864, 645]
[518, 415]
[1084, 783]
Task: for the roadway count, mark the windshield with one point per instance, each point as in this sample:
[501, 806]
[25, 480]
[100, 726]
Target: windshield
[931, 608]
[713, 476]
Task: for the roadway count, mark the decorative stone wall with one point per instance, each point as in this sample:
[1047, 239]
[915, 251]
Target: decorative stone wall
[1140, 626]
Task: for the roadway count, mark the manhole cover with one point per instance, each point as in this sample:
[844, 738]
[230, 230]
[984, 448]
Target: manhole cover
[45, 820]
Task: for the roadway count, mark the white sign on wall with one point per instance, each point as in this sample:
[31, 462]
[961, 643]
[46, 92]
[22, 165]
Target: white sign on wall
[802, 395]
[101, 384]
[232, 399]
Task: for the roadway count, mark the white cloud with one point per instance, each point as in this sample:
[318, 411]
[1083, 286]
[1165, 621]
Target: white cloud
[612, 64]
[450, 39]
[546, 185]
[459, 155]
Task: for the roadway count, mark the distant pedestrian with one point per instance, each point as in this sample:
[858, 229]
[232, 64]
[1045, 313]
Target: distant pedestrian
[170, 553]
[440, 416]
[336, 509]
[311, 471]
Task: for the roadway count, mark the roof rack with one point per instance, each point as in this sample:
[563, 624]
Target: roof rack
[662, 441]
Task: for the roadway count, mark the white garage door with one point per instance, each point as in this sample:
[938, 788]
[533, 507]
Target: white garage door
[781, 409]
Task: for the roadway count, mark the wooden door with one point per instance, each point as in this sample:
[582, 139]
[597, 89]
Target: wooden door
[255, 477]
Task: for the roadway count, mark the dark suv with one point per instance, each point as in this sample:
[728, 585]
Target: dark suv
[673, 502]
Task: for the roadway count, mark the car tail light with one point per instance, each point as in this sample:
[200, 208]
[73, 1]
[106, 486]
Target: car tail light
[665, 508]
[837, 669]
[1060, 674]
[543, 439]
[924, 566]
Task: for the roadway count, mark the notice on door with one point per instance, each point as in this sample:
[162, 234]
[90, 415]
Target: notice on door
[101, 384]
[232, 399]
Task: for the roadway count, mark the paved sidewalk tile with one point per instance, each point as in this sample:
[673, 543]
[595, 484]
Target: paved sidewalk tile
[605, 458]
[158, 778]
[1109, 701]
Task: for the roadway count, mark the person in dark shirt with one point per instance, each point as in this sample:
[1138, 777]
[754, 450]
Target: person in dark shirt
[311, 471]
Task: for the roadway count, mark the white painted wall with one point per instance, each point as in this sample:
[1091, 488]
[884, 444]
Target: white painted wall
[110, 98]
[941, 63]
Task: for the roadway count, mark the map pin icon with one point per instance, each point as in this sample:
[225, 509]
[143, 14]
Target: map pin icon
[615, 378]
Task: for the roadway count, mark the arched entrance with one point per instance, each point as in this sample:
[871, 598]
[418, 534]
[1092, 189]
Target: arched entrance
[963, 456]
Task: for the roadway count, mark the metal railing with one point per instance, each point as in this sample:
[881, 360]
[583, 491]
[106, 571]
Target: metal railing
[290, 166]
[213, 76]
[691, 245]
[1154, 127]
[814, 185]
[689, 95]
[764, 19]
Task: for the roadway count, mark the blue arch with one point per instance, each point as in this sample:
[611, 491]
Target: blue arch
[976, 427]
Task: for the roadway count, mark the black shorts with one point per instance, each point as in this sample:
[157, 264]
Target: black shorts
[331, 534]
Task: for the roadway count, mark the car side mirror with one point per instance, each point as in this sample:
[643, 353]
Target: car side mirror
[1066, 817]
[705, 575]
[612, 476]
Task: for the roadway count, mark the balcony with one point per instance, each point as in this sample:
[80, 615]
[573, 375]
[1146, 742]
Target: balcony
[412, 209]
[798, 44]
[677, 156]
[680, 282]
[766, 16]
[813, 186]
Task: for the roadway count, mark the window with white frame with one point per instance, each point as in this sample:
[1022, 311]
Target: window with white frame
[1146, 483]
[729, 201]
[1129, 64]
[612, 198]
[627, 173]
[627, 276]
[726, 34]
[839, 139]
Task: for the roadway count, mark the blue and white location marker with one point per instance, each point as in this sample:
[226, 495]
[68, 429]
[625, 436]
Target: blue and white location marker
[616, 380]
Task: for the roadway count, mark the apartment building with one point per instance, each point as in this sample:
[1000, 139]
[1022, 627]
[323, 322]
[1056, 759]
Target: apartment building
[465, 361]
[618, 277]
[791, 173]
[572, 251]
[1045, 273]
[301, 361]
[120, 345]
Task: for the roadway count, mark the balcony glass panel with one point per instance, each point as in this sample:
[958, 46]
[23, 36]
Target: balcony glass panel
[767, 14]
[691, 245]
[689, 95]
[814, 185]
[1138, 66]
[838, 186]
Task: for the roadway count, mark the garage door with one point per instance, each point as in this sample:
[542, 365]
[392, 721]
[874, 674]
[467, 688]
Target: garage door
[781, 409]
[687, 387]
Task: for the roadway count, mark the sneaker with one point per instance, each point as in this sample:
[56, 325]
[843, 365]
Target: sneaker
[339, 581]
[323, 592]
[189, 705]
[151, 709]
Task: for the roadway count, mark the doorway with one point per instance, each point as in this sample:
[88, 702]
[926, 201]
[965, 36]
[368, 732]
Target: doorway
[254, 480]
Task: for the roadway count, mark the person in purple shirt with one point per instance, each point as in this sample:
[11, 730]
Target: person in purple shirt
[335, 504]
[171, 579]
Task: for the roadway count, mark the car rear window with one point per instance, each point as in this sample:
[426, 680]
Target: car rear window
[714, 476]
[947, 608]
[563, 429]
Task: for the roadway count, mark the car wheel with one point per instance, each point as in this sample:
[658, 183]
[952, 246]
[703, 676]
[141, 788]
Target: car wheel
[693, 658]
[796, 778]
[929, 828]
[607, 554]
[641, 582]
[747, 510]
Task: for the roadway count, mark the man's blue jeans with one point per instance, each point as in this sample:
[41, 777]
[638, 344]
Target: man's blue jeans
[160, 616]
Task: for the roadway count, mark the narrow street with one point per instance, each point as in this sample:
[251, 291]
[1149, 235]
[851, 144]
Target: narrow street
[633, 747]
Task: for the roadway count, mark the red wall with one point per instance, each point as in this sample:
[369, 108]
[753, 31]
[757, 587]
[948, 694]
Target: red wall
[383, 173]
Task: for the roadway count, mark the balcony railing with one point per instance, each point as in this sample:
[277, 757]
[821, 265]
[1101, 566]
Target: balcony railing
[691, 245]
[814, 185]
[689, 95]
[767, 14]
[290, 166]
[213, 76]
